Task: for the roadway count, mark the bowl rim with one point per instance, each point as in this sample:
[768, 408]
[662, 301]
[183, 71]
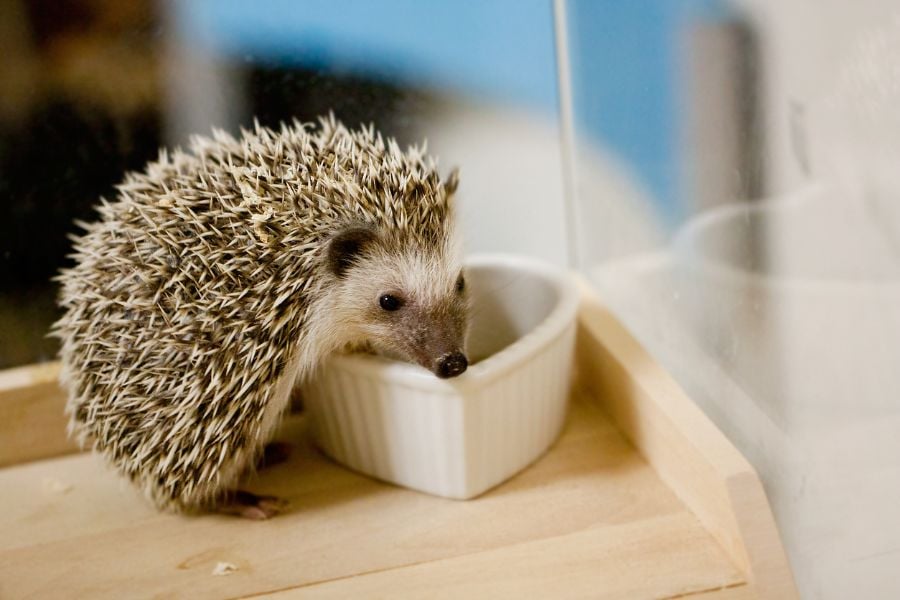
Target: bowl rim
[485, 371]
[689, 255]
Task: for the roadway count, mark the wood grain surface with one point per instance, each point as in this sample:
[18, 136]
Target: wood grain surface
[589, 516]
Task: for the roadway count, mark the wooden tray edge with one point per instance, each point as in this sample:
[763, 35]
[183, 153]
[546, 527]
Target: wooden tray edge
[683, 446]
[32, 401]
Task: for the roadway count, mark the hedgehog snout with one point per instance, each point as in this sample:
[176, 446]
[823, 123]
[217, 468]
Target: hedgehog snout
[451, 365]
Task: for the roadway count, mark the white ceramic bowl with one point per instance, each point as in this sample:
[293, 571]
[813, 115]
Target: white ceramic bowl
[459, 437]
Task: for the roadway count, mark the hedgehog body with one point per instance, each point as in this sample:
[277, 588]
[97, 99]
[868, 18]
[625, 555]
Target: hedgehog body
[219, 277]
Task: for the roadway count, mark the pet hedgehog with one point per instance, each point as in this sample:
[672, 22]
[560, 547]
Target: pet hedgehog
[222, 276]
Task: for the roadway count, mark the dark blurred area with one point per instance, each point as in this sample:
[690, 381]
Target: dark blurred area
[84, 100]
[78, 107]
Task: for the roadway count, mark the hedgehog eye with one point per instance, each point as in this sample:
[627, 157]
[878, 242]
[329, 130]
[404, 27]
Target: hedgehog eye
[460, 284]
[390, 303]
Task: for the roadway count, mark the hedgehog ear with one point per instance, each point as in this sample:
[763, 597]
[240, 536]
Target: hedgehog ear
[452, 181]
[346, 246]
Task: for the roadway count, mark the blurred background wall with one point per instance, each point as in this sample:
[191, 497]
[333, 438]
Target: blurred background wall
[92, 88]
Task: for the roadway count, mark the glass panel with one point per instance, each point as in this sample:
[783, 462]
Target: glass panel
[735, 202]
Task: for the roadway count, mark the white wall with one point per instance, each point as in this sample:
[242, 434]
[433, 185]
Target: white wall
[802, 43]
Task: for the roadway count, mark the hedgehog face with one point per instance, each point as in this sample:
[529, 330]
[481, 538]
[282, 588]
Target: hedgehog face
[402, 299]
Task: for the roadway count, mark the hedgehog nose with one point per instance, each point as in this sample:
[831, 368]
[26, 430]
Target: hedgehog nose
[451, 365]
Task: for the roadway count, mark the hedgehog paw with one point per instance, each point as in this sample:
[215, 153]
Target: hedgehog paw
[274, 453]
[252, 506]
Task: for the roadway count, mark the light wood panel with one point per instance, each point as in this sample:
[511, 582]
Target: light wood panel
[661, 557]
[591, 506]
[687, 451]
[32, 423]
[589, 519]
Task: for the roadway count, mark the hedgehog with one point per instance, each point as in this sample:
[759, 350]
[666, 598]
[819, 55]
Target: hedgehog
[222, 276]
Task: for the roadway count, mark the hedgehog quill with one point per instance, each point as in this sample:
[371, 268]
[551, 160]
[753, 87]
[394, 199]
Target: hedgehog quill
[220, 277]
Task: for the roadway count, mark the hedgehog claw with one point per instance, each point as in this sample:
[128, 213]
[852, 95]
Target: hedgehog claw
[251, 506]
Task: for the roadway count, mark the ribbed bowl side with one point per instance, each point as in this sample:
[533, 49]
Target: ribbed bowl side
[513, 421]
[443, 443]
[389, 431]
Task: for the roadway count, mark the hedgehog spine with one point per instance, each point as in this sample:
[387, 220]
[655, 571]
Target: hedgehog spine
[220, 276]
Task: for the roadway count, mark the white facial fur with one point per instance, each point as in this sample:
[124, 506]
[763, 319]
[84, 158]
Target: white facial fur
[432, 318]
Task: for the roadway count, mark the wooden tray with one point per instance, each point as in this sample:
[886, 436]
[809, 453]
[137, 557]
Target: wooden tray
[675, 513]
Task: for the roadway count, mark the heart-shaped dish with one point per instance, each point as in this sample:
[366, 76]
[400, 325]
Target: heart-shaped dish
[459, 437]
